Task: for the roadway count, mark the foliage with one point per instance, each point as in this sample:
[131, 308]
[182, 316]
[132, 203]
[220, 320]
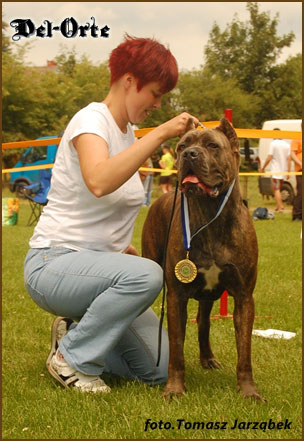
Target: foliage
[283, 96]
[241, 72]
[17, 96]
[5, 39]
[247, 51]
[40, 103]
[206, 95]
[66, 61]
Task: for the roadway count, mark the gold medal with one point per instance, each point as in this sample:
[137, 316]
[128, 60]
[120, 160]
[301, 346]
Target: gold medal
[185, 270]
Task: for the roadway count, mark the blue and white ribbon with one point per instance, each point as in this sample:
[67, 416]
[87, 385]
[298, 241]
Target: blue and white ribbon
[185, 216]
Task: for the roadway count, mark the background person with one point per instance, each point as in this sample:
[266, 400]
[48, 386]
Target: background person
[81, 266]
[296, 156]
[167, 163]
[147, 180]
[279, 151]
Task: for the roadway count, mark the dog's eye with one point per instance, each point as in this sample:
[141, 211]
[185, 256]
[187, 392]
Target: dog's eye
[212, 145]
[180, 147]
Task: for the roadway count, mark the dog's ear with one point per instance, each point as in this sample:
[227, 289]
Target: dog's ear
[189, 125]
[229, 131]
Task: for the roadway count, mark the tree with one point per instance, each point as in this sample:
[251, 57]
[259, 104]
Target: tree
[17, 97]
[207, 95]
[40, 103]
[66, 61]
[92, 80]
[247, 51]
[283, 96]
[6, 45]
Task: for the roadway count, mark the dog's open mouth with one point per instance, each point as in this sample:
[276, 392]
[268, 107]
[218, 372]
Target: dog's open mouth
[191, 181]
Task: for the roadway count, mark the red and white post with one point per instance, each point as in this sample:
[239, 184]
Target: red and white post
[224, 297]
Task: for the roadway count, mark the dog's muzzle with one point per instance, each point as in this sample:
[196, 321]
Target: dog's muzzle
[190, 154]
[192, 167]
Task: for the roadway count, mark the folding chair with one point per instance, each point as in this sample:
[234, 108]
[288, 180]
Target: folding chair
[38, 197]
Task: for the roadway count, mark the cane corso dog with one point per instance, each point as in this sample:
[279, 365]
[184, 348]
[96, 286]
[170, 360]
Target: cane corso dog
[221, 244]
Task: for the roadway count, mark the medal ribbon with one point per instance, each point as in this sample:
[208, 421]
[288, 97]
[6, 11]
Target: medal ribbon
[185, 216]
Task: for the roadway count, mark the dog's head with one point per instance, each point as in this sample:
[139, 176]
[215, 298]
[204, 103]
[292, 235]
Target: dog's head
[208, 160]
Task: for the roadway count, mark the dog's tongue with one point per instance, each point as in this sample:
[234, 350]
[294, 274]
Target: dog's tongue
[191, 179]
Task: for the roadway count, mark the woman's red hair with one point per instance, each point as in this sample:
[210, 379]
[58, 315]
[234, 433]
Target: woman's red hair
[147, 59]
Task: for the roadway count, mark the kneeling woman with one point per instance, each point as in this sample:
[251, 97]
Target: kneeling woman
[81, 266]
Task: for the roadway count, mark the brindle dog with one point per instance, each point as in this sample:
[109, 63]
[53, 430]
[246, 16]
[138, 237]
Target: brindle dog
[225, 252]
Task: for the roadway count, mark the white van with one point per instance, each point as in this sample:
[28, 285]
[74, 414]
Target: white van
[289, 186]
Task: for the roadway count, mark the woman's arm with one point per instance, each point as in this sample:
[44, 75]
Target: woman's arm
[103, 174]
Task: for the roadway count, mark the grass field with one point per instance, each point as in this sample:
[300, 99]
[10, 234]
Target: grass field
[35, 407]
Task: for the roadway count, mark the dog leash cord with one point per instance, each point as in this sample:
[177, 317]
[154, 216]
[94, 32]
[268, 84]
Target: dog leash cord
[162, 313]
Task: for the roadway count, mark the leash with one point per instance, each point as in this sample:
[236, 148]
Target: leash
[162, 313]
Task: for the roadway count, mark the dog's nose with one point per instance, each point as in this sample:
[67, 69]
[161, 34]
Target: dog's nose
[190, 154]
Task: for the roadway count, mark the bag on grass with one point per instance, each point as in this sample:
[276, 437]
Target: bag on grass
[262, 213]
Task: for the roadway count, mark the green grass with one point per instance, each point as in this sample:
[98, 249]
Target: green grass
[35, 407]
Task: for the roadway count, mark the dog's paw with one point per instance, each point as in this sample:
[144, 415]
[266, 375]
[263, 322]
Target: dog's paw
[211, 363]
[249, 390]
[174, 390]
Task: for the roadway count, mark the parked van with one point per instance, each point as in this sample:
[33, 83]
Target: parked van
[32, 156]
[289, 186]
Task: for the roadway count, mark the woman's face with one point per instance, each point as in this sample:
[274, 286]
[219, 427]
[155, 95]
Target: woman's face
[140, 104]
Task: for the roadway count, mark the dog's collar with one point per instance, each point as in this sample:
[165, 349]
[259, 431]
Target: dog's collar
[185, 216]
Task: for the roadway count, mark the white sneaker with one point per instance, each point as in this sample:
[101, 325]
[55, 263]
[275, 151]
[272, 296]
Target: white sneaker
[70, 377]
[60, 328]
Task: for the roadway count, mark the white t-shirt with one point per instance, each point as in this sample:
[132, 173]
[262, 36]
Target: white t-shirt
[280, 150]
[74, 218]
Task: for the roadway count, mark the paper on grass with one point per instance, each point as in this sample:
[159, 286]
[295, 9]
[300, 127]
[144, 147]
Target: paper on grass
[274, 333]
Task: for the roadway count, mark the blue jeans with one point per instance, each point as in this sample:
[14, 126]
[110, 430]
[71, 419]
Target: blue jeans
[148, 183]
[108, 295]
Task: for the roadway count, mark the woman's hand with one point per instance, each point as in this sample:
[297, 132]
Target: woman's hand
[131, 250]
[179, 125]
